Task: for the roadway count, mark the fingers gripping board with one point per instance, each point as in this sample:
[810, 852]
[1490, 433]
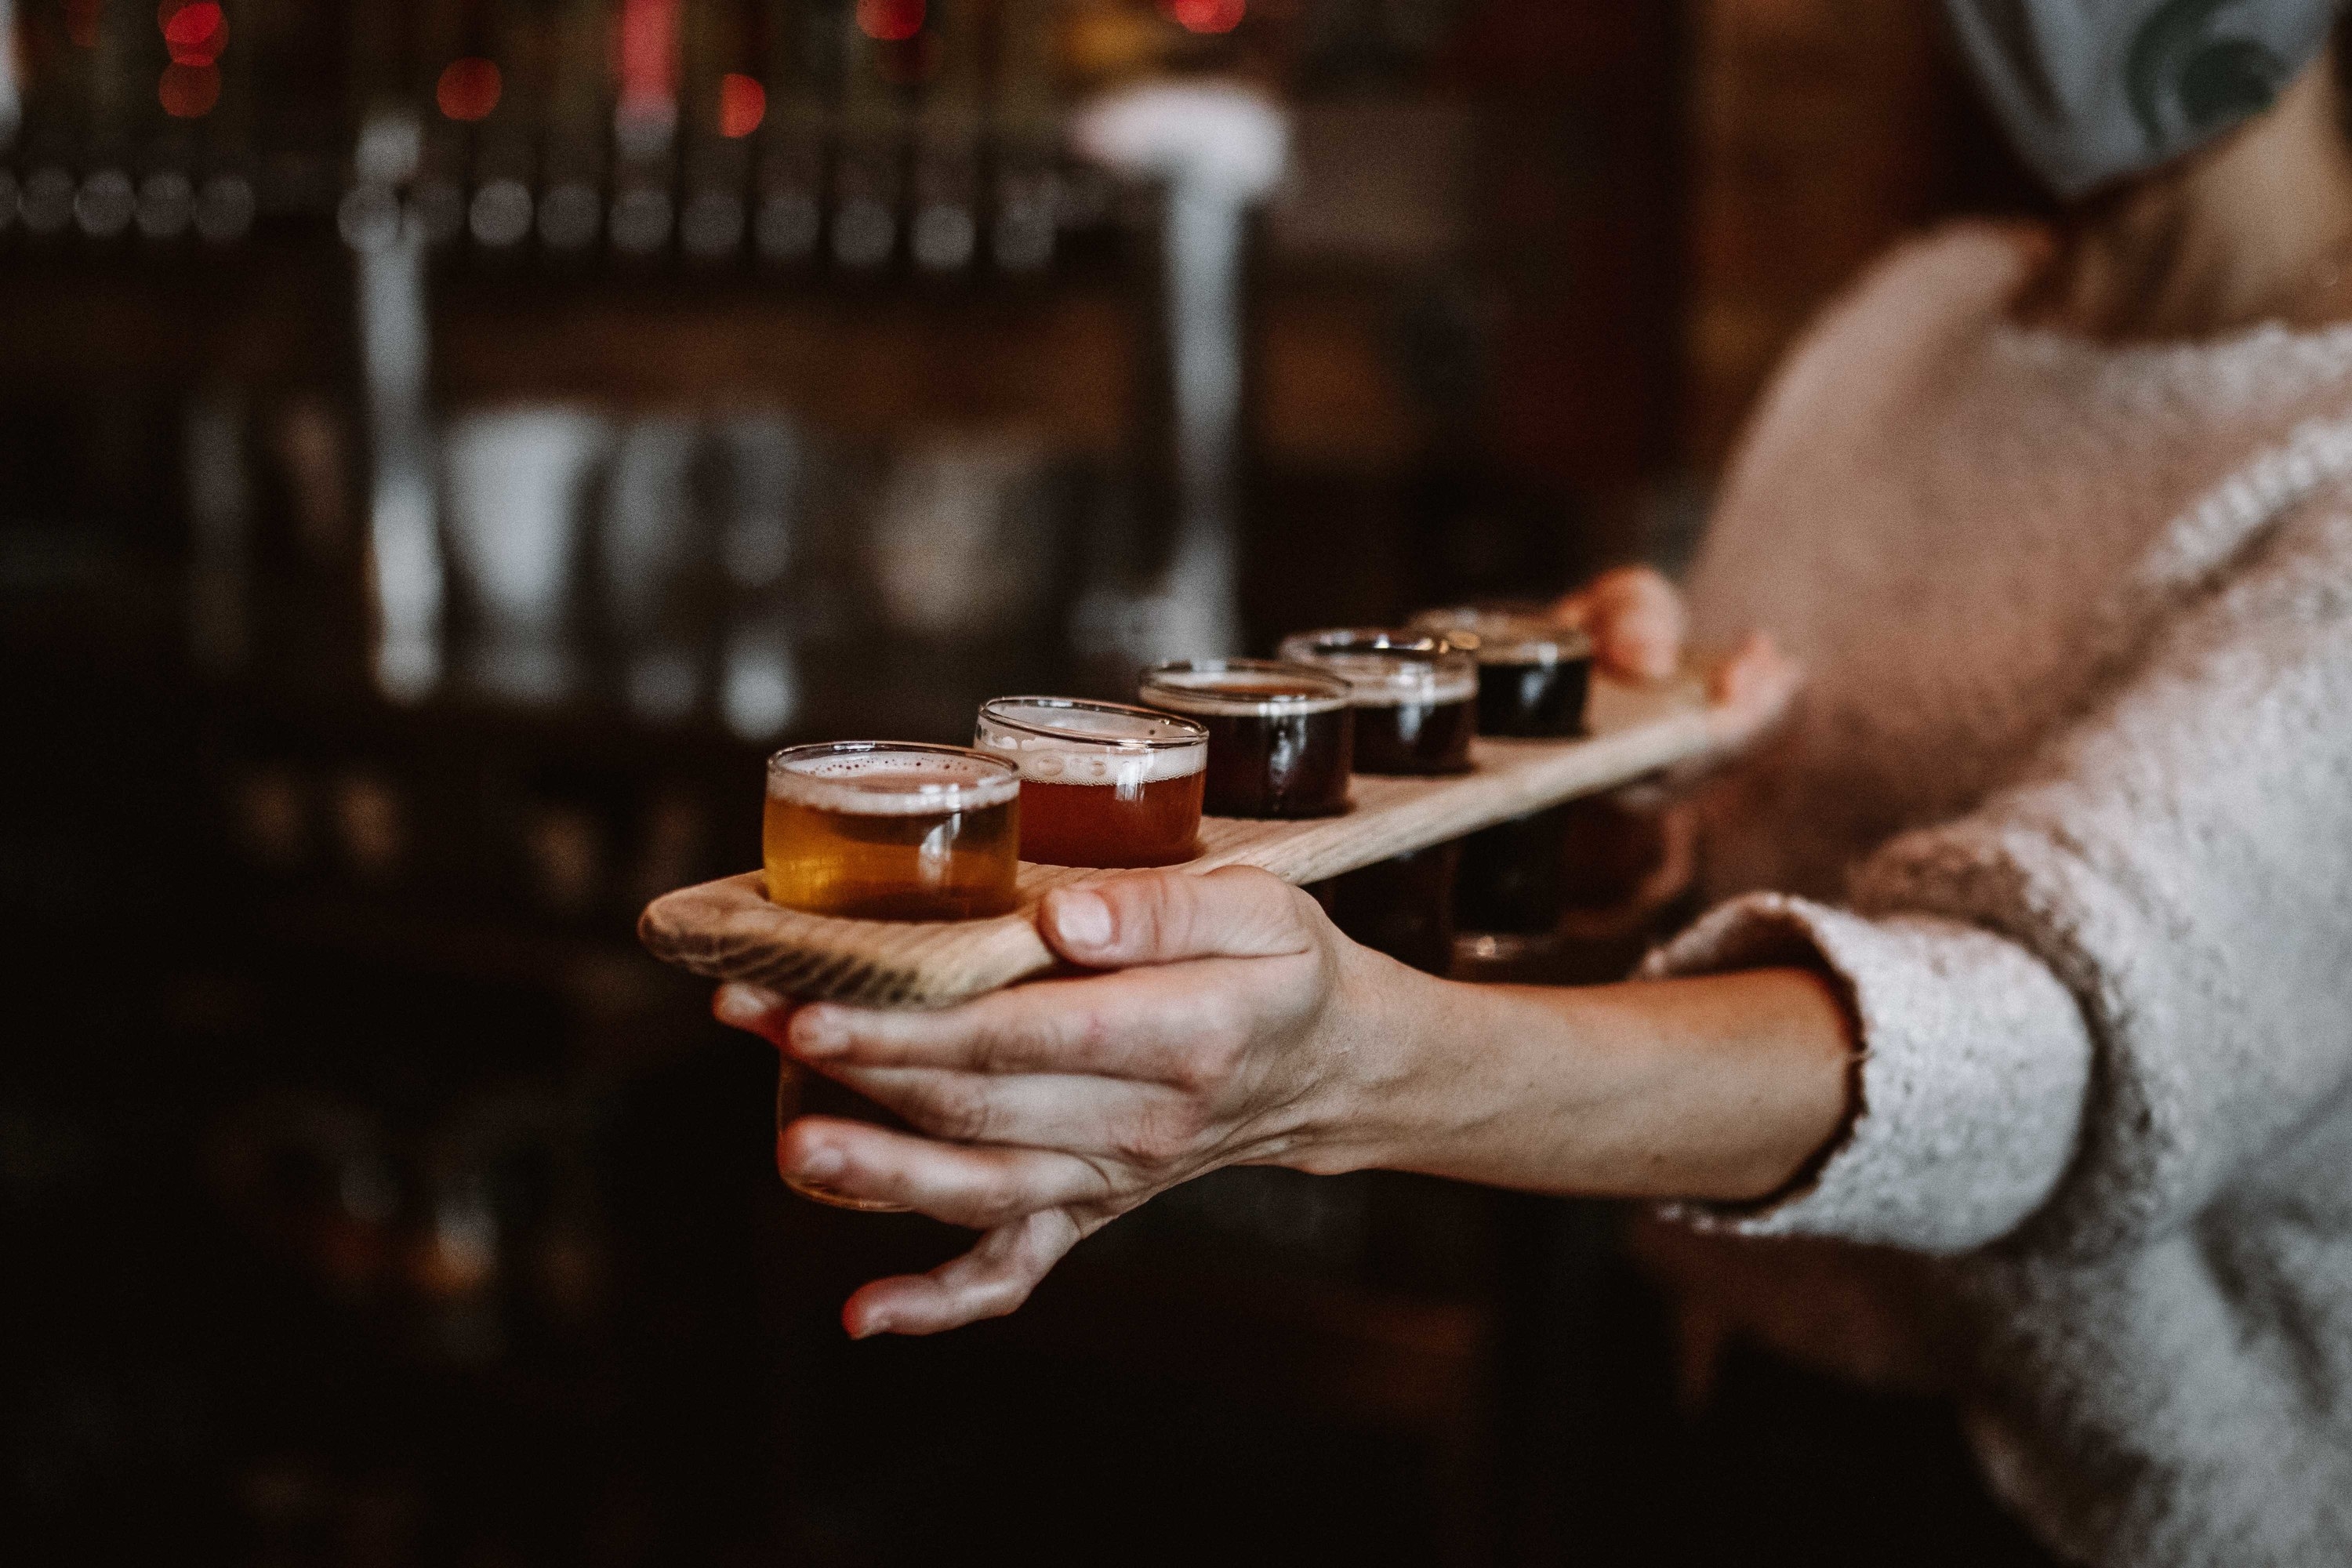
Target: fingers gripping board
[727, 930]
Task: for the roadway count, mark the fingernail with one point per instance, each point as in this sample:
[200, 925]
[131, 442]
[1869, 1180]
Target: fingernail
[821, 1163]
[740, 1005]
[819, 1032]
[1082, 919]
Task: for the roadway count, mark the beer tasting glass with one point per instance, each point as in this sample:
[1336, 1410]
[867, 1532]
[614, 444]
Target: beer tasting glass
[1413, 696]
[1533, 681]
[884, 830]
[1533, 676]
[1281, 736]
[1102, 784]
[891, 831]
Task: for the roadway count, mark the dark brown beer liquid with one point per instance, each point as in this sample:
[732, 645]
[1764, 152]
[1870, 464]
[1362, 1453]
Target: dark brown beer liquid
[1415, 697]
[1403, 906]
[1281, 739]
[1415, 737]
[1533, 698]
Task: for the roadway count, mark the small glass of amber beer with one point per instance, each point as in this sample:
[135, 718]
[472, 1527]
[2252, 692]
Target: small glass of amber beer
[1281, 736]
[1415, 696]
[1102, 784]
[884, 830]
[889, 831]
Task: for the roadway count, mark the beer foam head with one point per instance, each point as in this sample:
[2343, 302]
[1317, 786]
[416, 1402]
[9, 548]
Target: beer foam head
[1386, 669]
[882, 778]
[1507, 634]
[1057, 740]
[1248, 688]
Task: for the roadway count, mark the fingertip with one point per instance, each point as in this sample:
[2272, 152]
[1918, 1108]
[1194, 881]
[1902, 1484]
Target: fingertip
[817, 1032]
[1079, 923]
[750, 1007]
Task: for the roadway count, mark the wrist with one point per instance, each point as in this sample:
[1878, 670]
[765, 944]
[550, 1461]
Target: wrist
[1377, 1071]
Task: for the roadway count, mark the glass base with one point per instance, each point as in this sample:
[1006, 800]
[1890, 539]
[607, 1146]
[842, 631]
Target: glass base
[819, 1192]
[792, 1086]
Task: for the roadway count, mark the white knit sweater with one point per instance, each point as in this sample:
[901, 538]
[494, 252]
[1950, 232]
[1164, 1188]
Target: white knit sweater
[2068, 807]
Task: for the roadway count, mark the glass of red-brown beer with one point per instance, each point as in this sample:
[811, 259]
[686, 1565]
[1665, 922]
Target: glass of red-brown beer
[1416, 695]
[1281, 736]
[1102, 784]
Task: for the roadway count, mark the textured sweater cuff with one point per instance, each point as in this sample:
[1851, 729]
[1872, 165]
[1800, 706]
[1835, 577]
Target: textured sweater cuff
[1973, 1064]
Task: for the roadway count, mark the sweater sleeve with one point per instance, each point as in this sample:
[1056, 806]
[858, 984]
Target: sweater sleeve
[2091, 1005]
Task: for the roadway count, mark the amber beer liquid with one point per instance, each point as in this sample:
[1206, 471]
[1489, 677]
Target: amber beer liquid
[874, 830]
[1281, 736]
[878, 830]
[1102, 784]
[1415, 698]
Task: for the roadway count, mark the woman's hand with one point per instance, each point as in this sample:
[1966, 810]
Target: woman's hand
[1640, 631]
[1061, 1105]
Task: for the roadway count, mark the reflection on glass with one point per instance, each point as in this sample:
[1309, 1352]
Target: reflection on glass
[516, 478]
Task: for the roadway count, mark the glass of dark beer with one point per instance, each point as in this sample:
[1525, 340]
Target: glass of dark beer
[1415, 696]
[891, 831]
[1281, 736]
[1533, 676]
[1102, 784]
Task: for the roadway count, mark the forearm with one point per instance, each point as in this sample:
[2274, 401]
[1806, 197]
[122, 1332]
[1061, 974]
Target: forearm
[1724, 1087]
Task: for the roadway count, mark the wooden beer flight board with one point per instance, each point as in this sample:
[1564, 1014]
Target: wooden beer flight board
[727, 930]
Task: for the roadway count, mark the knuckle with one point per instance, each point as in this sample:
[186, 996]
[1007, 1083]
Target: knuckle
[1161, 1135]
[955, 1110]
[1157, 902]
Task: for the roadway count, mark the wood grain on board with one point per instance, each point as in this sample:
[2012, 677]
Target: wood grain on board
[726, 930]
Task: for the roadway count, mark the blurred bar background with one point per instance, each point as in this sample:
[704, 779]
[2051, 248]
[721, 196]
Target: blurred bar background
[444, 444]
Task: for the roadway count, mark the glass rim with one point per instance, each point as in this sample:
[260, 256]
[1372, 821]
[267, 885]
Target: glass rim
[1495, 633]
[999, 780]
[1398, 666]
[1331, 690]
[1195, 734]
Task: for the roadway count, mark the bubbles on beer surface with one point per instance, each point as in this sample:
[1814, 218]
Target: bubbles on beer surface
[1505, 634]
[1058, 740]
[1243, 688]
[882, 780]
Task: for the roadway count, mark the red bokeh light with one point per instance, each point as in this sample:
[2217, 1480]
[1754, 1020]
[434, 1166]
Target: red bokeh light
[1207, 16]
[81, 22]
[468, 88]
[194, 32]
[890, 20]
[742, 104]
[644, 57]
[187, 91]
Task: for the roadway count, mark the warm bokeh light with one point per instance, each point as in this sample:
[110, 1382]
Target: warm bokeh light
[645, 58]
[1207, 16]
[81, 22]
[194, 33]
[468, 88]
[742, 104]
[890, 20]
[187, 91]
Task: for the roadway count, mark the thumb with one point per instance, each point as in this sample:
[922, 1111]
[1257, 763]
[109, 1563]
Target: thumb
[1166, 916]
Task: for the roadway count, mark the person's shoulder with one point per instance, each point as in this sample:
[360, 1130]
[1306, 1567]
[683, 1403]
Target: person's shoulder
[1893, 332]
[1927, 291]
